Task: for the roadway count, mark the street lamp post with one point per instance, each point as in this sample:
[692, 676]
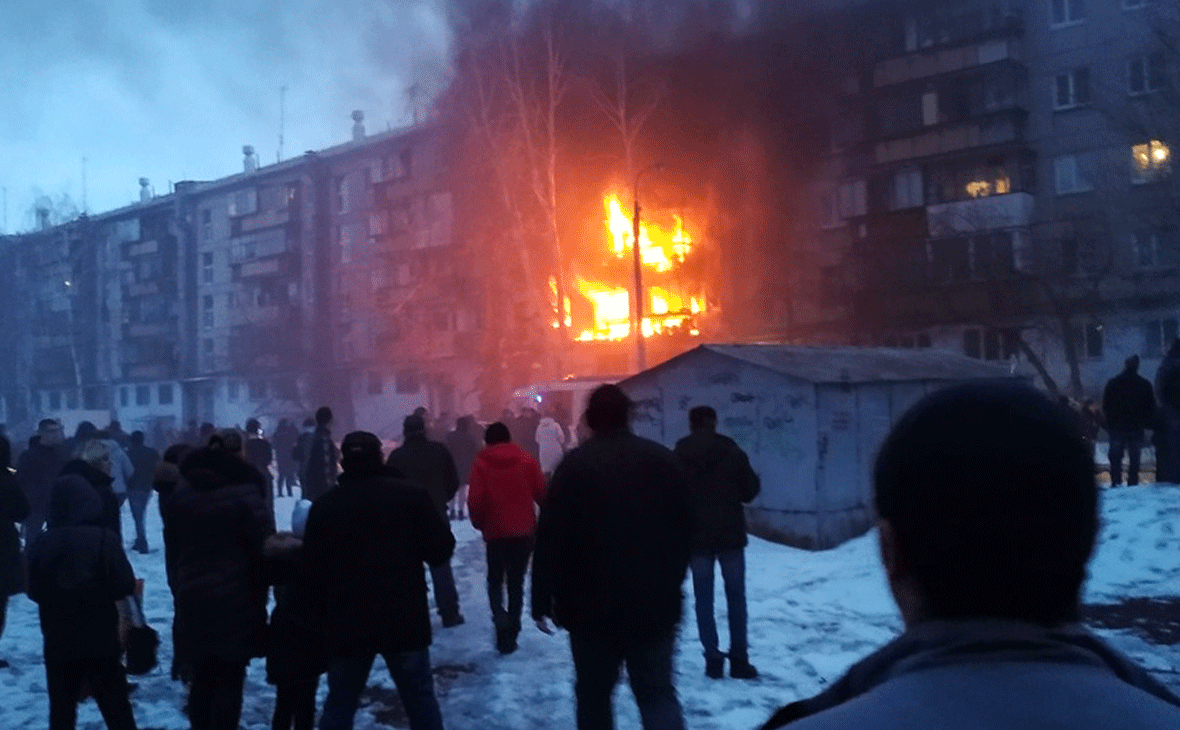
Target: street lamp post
[637, 258]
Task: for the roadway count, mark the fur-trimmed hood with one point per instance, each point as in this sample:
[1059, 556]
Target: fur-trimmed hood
[212, 468]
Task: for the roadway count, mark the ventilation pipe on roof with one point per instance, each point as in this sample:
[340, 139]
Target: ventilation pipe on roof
[358, 128]
[145, 190]
[249, 159]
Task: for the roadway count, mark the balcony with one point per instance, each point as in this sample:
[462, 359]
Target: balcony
[1014, 210]
[261, 220]
[280, 265]
[143, 249]
[923, 64]
[1004, 128]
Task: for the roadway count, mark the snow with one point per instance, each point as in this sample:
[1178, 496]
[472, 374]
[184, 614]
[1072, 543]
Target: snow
[811, 616]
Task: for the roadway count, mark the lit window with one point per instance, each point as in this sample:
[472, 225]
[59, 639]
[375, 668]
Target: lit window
[1151, 161]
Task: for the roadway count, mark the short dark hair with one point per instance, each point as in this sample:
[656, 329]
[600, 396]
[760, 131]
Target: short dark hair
[136, 438]
[990, 489]
[323, 416]
[413, 424]
[360, 451]
[497, 433]
[609, 409]
[702, 417]
[252, 425]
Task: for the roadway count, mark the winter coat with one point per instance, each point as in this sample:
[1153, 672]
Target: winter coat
[1128, 403]
[77, 572]
[429, 465]
[550, 444]
[613, 540]
[464, 448]
[166, 478]
[36, 469]
[1167, 378]
[363, 550]
[284, 440]
[505, 484]
[293, 649]
[121, 467]
[720, 481]
[218, 522]
[988, 674]
[320, 465]
[259, 453]
[102, 484]
[14, 507]
[143, 461]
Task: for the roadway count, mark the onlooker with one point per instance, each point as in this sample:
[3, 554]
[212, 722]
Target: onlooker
[987, 512]
[526, 431]
[258, 450]
[321, 462]
[374, 530]
[93, 463]
[505, 484]
[117, 434]
[429, 465]
[551, 439]
[14, 507]
[36, 469]
[164, 482]
[1167, 430]
[218, 522]
[77, 573]
[121, 470]
[1129, 405]
[286, 436]
[720, 482]
[463, 443]
[86, 431]
[613, 544]
[139, 487]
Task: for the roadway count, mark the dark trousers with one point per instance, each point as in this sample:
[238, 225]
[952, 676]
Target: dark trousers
[508, 559]
[1131, 443]
[446, 596]
[31, 527]
[215, 697]
[286, 479]
[139, 499]
[107, 683]
[410, 672]
[733, 572]
[295, 704]
[649, 669]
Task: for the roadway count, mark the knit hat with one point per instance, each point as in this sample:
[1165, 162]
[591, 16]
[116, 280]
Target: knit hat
[360, 447]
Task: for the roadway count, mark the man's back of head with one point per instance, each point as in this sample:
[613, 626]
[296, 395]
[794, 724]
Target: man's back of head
[1131, 365]
[702, 419]
[136, 438]
[609, 409]
[360, 454]
[414, 426]
[323, 416]
[989, 508]
[497, 433]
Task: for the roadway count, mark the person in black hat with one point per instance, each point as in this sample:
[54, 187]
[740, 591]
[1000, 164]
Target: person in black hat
[363, 548]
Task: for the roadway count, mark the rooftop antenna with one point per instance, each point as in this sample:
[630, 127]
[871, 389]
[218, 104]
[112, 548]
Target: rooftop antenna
[282, 118]
[412, 95]
[84, 210]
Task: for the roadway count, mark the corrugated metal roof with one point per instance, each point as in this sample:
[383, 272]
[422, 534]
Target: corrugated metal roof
[859, 364]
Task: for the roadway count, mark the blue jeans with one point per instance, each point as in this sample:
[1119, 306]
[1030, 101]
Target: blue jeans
[733, 572]
[446, 596]
[649, 668]
[1130, 442]
[415, 685]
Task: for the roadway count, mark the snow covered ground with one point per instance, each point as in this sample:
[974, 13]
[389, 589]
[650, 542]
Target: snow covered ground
[811, 616]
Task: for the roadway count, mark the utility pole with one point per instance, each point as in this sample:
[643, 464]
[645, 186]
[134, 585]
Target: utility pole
[84, 210]
[282, 118]
[637, 259]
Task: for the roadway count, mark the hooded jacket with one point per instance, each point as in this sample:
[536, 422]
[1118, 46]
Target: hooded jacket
[77, 571]
[36, 469]
[550, 444]
[505, 484]
[102, 484]
[720, 481]
[218, 521]
[14, 507]
[429, 465]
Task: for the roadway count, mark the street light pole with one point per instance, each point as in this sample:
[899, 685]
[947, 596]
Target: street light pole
[637, 258]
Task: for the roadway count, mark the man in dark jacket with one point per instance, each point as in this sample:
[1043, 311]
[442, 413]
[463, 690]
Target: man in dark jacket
[987, 517]
[363, 550]
[1129, 405]
[36, 469]
[14, 507]
[321, 462]
[613, 545]
[218, 521]
[144, 460]
[77, 573]
[464, 444]
[429, 465]
[284, 441]
[720, 481]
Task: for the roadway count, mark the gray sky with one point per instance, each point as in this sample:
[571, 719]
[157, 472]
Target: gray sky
[172, 89]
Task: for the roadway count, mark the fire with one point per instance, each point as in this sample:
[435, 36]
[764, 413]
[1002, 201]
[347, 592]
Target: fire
[662, 251]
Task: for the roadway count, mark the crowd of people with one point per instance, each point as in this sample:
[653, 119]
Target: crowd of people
[986, 496]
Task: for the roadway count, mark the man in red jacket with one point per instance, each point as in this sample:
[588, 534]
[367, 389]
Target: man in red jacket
[505, 484]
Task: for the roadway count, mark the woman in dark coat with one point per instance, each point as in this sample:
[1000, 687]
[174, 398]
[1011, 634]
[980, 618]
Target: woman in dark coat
[164, 481]
[14, 507]
[77, 573]
[93, 463]
[218, 523]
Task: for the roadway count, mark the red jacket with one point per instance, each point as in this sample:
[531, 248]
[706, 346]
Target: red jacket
[505, 482]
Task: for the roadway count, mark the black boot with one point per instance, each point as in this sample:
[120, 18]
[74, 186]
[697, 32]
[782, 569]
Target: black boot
[715, 667]
[742, 669]
[505, 635]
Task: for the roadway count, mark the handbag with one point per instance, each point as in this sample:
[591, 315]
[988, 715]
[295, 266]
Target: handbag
[142, 640]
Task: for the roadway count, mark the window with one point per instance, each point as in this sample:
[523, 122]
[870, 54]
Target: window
[208, 346]
[973, 344]
[165, 394]
[342, 195]
[908, 189]
[1158, 336]
[1068, 12]
[54, 400]
[1145, 74]
[950, 260]
[1072, 89]
[853, 199]
[1070, 174]
[1150, 161]
[376, 384]
[378, 222]
[207, 312]
[207, 267]
[1146, 249]
[257, 390]
[231, 390]
[206, 225]
[346, 244]
[407, 382]
[243, 202]
[143, 395]
[124, 397]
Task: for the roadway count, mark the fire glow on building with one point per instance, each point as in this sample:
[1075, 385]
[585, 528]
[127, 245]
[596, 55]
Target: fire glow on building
[672, 300]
